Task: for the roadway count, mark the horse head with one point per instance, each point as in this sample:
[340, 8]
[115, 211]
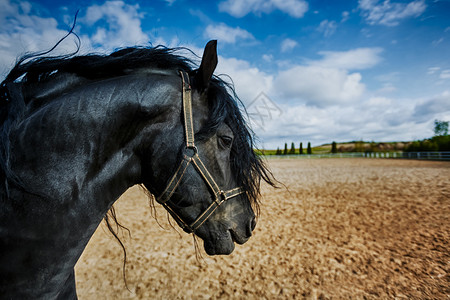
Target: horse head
[204, 169]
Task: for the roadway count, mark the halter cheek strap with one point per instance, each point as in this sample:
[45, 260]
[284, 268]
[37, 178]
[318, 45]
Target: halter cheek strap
[190, 156]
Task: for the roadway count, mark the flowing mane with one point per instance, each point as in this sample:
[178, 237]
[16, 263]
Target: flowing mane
[40, 70]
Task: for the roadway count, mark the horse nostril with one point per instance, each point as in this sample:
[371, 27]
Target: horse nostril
[253, 224]
[250, 227]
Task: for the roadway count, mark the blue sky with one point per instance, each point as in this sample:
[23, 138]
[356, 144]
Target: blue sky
[316, 71]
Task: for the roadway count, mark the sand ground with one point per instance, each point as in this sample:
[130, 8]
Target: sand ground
[344, 228]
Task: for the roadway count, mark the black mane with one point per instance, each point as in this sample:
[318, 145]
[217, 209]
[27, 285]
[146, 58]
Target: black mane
[95, 66]
[98, 66]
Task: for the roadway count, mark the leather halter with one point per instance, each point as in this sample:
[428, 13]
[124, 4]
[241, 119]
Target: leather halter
[190, 156]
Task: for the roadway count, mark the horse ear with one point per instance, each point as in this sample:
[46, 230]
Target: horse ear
[207, 67]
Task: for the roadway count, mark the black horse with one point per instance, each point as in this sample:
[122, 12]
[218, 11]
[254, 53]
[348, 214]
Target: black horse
[77, 131]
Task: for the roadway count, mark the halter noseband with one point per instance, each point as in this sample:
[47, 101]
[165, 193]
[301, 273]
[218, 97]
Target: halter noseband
[190, 155]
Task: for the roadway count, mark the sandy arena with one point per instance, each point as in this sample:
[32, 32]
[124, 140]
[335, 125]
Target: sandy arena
[345, 228]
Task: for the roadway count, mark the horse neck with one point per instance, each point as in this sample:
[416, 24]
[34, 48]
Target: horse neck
[88, 137]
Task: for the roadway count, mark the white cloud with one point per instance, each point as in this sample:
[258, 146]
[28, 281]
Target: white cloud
[437, 107]
[389, 77]
[328, 28]
[227, 34]
[378, 118]
[387, 88]
[345, 16]
[240, 8]
[288, 45]
[321, 83]
[249, 81]
[170, 2]
[445, 74]
[355, 59]
[123, 25]
[390, 14]
[319, 86]
[433, 70]
[437, 42]
[23, 32]
[267, 57]
[379, 101]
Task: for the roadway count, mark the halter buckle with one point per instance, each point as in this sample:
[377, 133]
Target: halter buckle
[222, 196]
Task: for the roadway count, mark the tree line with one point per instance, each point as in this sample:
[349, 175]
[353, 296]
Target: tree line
[293, 150]
[439, 142]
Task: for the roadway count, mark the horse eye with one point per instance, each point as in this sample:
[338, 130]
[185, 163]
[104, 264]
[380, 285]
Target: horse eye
[225, 141]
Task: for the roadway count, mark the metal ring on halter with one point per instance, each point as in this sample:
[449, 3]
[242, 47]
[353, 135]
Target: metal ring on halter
[193, 148]
[191, 151]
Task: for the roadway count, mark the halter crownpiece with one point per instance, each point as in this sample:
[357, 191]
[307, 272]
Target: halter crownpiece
[190, 156]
